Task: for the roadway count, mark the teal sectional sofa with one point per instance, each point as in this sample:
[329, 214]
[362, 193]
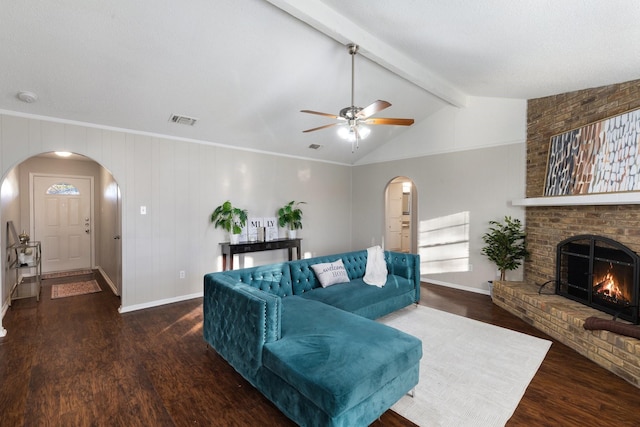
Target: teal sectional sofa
[314, 351]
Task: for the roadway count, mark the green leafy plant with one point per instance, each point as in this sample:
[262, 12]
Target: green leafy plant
[290, 215]
[505, 244]
[229, 218]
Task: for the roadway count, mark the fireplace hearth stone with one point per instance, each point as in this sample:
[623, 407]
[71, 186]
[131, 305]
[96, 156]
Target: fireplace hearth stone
[563, 319]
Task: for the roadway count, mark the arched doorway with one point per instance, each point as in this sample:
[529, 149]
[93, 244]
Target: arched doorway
[401, 215]
[102, 223]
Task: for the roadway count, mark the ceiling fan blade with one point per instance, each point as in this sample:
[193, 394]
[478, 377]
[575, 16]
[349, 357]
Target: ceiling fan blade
[333, 116]
[372, 109]
[387, 121]
[320, 127]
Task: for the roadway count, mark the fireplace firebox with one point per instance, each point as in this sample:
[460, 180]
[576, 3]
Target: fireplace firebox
[601, 273]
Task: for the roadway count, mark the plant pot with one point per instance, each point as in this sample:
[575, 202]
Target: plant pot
[234, 239]
[292, 233]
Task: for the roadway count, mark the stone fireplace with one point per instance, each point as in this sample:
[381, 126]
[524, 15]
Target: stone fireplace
[547, 225]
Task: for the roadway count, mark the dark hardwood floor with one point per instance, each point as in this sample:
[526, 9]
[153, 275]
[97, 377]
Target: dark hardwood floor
[78, 362]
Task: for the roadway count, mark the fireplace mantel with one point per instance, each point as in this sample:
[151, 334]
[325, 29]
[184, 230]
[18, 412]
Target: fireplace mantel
[627, 198]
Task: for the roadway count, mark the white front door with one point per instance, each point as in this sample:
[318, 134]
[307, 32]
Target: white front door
[62, 221]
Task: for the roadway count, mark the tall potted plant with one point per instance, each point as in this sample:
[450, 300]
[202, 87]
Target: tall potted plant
[290, 216]
[505, 244]
[230, 219]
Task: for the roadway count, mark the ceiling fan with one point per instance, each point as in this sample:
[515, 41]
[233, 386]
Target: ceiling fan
[353, 117]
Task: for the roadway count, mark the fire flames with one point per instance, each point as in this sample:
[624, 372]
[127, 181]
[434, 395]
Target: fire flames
[607, 287]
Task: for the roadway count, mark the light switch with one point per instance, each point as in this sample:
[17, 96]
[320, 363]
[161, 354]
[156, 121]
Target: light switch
[143, 210]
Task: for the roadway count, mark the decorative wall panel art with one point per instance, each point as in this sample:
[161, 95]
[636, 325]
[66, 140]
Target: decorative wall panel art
[601, 157]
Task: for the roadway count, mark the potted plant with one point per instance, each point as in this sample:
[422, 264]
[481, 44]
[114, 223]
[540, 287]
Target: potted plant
[230, 219]
[290, 215]
[505, 244]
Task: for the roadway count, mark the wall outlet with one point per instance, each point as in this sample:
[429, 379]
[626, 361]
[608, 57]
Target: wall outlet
[182, 274]
[143, 210]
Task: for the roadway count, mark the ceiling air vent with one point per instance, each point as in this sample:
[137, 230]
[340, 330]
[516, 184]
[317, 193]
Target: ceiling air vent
[183, 120]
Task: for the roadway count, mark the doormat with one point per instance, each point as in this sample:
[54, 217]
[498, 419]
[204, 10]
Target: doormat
[74, 289]
[57, 274]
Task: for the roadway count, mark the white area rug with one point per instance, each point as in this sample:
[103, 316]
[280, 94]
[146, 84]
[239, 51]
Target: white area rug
[471, 373]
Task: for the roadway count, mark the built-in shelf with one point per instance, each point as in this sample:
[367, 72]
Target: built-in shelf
[628, 198]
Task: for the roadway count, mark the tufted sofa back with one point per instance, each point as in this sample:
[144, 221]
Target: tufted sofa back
[272, 278]
[304, 279]
[296, 277]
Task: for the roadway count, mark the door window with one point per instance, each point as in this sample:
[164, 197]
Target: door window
[63, 189]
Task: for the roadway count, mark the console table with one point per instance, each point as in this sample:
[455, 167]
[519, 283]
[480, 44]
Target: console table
[26, 256]
[229, 250]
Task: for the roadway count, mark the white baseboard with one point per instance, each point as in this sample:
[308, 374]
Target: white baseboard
[135, 307]
[150, 304]
[107, 279]
[455, 286]
[5, 307]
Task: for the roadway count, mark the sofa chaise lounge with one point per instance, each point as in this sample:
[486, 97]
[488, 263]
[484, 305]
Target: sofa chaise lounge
[314, 351]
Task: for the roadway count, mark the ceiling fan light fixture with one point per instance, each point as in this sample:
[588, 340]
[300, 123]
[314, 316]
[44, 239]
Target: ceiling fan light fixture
[353, 117]
[348, 133]
[363, 131]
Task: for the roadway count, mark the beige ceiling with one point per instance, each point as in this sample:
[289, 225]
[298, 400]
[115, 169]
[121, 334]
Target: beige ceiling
[245, 68]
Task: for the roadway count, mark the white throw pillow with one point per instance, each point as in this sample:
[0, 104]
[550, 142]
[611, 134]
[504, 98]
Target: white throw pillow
[331, 273]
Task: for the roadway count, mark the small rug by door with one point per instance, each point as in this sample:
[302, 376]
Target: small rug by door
[75, 288]
[471, 373]
[58, 274]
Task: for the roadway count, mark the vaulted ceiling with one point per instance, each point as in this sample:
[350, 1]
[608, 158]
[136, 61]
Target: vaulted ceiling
[245, 68]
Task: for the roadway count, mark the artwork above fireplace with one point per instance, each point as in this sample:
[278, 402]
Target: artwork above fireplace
[601, 273]
[601, 157]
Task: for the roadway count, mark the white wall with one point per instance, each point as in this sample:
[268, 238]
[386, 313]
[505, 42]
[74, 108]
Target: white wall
[9, 211]
[108, 256]
[474, 166]
[181, 183]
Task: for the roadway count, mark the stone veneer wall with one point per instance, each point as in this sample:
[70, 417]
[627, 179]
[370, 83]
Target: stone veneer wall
[547, 226]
